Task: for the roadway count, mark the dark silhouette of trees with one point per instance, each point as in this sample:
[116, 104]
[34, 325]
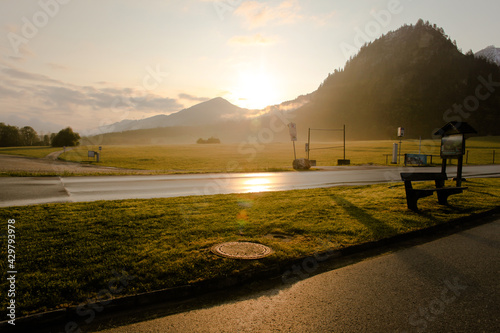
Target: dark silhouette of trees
[209, 140]
[9, 136]
[66, 137]
[29, 137]
[46, 140]
[12, 136]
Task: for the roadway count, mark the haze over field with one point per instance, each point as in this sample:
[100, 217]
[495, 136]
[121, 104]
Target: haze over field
[88, 64]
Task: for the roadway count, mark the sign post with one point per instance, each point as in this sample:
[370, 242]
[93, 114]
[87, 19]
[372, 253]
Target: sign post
[401, 133]
[453, 136]
[292, 127]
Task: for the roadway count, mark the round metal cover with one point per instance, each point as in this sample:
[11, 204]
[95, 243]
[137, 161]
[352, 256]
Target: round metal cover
[242, 250]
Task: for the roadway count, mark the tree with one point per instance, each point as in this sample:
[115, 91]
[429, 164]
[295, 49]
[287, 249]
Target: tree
[46, 140]
[29, 136]
[9, 136]
[66, 137]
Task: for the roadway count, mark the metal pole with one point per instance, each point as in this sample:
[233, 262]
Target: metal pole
[459, 170]
[443, 165]
[294, 154]
[493, 156]
[344, 146]
[399, 155]
[308, 142]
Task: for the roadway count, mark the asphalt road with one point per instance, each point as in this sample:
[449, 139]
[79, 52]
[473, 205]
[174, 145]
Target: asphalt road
[18, 191]
[447, 285]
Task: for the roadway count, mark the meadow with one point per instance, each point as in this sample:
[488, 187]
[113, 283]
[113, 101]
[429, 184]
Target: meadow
[38, 152]
[256, 157]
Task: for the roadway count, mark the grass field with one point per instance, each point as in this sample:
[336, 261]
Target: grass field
[66, 253]
[251, 157]
[269, 157]
[38, 152]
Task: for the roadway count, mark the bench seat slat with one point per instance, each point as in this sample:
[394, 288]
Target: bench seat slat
[422, 176]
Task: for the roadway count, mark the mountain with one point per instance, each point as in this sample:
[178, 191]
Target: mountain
[206, 113]
[414, 77]
[490, 53]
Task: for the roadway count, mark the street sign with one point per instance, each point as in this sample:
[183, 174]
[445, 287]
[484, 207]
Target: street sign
[293, 131]
[401, 132]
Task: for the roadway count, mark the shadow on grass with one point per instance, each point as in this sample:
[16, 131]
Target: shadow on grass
[377, 227]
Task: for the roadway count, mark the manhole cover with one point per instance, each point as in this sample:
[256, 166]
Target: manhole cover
[242, 250]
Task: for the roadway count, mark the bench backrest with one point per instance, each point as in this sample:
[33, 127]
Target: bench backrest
[422, 176]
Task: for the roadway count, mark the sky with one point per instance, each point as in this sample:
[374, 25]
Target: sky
[89, 63]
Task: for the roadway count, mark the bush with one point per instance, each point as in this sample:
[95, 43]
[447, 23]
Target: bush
[209, 140]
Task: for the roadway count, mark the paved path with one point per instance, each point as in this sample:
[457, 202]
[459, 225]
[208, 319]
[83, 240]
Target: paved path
[448, 285]
[18, 191]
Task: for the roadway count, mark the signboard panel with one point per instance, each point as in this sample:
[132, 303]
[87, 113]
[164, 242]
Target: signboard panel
[452, 145]
[416, 159]
[91, 153]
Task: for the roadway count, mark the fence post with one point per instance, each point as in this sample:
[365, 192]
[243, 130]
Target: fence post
[466, 157]
[493, 156]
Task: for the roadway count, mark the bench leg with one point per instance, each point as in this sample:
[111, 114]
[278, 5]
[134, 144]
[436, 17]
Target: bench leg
[411, 201]
[443, 196]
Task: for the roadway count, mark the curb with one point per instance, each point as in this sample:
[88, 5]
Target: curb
[48, 321]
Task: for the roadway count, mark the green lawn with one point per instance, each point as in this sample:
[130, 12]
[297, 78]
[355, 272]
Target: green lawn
[66, 253]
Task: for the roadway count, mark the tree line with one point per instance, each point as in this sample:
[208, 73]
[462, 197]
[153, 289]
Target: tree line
[13, 136]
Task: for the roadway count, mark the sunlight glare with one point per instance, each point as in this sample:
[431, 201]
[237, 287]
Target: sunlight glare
[256, 90]
[257, 185]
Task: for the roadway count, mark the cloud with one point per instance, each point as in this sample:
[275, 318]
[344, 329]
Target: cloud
[256, 39]
[22, 75]
[323, 19]
[193, 98]
[29, 95]
[156, 103]
[37, 124]
[57, 66]
[258, 14]
[6, 92]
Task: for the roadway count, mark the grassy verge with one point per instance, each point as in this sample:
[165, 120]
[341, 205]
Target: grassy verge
[66, 253]
[38, 152]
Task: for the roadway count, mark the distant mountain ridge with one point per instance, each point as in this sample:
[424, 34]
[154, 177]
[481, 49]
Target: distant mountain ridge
[206, 113]
[490, 53]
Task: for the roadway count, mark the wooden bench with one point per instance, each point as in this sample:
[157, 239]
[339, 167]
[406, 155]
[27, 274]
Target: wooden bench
[412, 195]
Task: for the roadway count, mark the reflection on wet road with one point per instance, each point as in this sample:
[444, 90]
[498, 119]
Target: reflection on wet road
[17, 191]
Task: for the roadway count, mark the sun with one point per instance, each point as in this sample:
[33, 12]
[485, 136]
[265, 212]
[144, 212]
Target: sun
[256, 90]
